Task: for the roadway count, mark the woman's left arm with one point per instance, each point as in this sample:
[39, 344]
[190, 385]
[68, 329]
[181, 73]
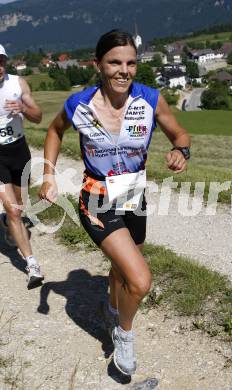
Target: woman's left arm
[178, 136]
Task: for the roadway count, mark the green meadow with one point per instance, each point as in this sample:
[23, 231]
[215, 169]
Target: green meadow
[35, 79]
[215, 37]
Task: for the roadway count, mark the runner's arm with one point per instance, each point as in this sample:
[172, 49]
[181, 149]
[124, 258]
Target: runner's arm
[26, 105]
[175, 133]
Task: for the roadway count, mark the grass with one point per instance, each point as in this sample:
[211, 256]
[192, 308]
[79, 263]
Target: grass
[70, 145]
[210, 162]
[214, 122]
[50, 102]
[34, 80]
[220, 36]
[190, 289]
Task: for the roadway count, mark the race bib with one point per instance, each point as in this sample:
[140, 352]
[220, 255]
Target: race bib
[126, 189]
[7, 129]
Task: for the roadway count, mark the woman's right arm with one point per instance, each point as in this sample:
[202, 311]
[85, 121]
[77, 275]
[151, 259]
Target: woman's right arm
[52, 146]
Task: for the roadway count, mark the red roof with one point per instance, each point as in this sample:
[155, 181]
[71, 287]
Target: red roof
[63, 57]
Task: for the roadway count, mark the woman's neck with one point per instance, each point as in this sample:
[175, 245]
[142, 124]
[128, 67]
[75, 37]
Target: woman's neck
[116, 100]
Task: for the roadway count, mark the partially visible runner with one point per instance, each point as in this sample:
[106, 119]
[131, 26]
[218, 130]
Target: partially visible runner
[115, 120]
[16, 102]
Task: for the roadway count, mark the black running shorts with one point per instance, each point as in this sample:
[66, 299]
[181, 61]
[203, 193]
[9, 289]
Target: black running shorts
[102, 224]
[13, 158]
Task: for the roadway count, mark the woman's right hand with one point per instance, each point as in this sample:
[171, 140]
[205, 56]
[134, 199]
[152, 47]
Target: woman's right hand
[49, 191]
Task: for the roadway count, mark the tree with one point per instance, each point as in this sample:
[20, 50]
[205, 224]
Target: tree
[229, 58]
[192, 69]
[216, 45]
[145, 75]
[42, 86]
[79, 75]
[170, 96]
[11, 69]
[27, 72]
[216, 97]
[33, 59]
[156, 61]
[62, 83]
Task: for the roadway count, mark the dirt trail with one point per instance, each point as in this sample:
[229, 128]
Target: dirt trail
[57, 340]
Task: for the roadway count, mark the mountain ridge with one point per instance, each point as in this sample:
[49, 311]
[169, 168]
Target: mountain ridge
[33, 24]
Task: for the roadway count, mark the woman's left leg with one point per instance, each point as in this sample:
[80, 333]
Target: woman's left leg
[116, 282]
[133, 278]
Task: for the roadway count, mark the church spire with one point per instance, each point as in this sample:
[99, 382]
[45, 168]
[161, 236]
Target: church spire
[137, 37]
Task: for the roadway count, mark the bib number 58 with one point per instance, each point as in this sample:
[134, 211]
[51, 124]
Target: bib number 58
[7, 131]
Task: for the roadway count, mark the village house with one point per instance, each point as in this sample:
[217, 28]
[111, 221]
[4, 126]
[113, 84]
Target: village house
[226, 49]
[19, 66]
[63, 57]
[171, 78]
[147, 56]
[174, 66]
[223, 76]
[205, 55]
[65, 64]
[47, 62]
[85, 64]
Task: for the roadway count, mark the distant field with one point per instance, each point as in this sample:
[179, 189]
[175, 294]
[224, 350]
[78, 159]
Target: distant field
[35, 79]
[215, 122]
[223, 36]
[51, 103]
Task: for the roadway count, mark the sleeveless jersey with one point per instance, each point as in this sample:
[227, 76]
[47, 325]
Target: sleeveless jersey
[11, 126]
[101, 154]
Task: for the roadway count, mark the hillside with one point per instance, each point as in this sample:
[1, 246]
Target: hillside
[77, 23]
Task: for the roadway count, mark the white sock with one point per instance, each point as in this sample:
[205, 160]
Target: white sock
[112, 310]
[31, 260]
[125, 333]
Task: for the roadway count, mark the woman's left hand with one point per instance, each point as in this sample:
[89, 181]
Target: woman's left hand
[176, 161]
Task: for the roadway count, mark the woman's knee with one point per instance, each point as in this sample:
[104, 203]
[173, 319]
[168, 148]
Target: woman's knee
[141, 286]
[13, 213]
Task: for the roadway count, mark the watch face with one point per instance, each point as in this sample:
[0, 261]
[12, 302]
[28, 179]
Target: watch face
[185, 152]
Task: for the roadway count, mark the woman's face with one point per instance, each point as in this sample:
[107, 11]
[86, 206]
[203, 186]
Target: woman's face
[118, 68]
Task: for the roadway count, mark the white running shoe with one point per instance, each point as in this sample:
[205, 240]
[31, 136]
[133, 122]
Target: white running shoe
[124, 356]
[35, 276]
[7, 236]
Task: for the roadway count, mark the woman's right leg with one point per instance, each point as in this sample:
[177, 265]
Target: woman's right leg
[131, 281]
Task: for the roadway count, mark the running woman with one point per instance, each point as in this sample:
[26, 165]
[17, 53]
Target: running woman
[115, 120]
[16, 102]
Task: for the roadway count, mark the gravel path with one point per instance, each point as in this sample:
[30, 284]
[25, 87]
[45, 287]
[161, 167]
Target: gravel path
[55, 335]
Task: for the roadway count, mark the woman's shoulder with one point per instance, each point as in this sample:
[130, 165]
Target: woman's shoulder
[146, 92]
[83, 96]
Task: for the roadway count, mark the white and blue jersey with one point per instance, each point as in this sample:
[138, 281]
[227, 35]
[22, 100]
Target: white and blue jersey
[101, 154]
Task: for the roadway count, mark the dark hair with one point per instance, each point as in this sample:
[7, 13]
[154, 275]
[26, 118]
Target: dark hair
[112, 39]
